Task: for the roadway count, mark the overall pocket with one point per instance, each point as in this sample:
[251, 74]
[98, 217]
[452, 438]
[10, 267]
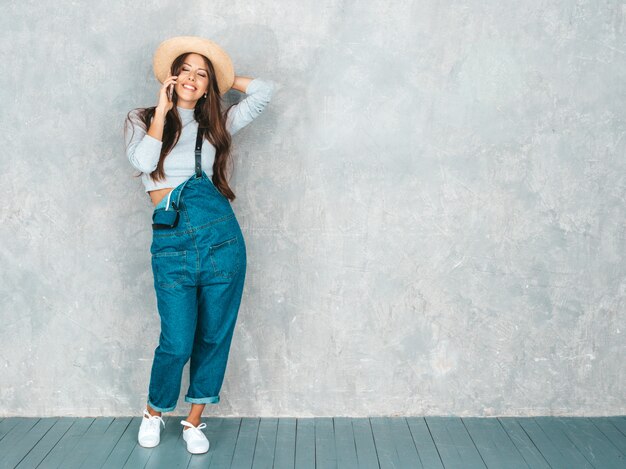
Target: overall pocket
[226, 257]
[169, 268]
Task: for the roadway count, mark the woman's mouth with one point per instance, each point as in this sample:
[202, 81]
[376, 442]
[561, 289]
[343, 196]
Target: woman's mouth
[189, 87]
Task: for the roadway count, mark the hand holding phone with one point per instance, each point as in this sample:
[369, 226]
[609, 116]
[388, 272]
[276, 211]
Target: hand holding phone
[166, 93]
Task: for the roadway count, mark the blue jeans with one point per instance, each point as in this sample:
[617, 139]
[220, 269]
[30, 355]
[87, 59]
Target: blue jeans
[199, 268]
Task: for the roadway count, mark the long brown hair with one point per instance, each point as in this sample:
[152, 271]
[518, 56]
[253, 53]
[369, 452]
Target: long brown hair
[211, 122]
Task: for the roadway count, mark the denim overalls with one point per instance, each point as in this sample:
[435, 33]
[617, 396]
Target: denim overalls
[199, 267]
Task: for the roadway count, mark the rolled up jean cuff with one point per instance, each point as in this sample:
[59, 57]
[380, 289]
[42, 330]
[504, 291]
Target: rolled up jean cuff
[161, 409]
[203, 400]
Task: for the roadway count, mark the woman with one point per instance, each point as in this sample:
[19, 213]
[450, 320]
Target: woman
[181, 147]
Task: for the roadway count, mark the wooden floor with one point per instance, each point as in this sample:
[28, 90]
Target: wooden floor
[377, 442]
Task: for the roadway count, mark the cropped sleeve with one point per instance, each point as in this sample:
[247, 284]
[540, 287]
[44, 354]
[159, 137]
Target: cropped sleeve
[143, 150]
[258, 95]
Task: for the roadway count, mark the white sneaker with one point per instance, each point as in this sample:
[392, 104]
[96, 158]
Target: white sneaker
[150, 430]
[197, 442]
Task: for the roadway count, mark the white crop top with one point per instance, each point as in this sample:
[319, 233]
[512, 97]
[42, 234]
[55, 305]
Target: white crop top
[143, 150]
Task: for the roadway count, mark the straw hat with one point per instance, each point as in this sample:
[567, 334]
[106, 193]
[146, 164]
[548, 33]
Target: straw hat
[171, 48]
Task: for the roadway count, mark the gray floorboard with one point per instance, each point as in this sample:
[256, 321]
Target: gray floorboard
[436, 442]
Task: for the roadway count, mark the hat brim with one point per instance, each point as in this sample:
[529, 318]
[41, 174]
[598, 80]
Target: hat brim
[171, 48]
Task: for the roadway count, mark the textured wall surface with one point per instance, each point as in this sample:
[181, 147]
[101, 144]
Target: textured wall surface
[433, 205]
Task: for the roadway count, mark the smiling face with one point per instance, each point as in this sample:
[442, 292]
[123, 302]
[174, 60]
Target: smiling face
[192, 82]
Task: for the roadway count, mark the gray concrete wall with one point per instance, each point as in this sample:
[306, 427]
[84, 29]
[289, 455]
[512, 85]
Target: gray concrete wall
[433, 204]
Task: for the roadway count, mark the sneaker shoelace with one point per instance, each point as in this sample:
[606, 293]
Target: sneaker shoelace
[153, 419]
[197, 430]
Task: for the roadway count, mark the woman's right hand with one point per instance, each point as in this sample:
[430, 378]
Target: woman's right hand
[165, 103]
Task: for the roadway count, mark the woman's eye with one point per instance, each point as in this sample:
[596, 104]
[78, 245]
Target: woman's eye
[187, 70]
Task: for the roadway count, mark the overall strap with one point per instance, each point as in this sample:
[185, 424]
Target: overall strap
[176, 204]
[198, 153]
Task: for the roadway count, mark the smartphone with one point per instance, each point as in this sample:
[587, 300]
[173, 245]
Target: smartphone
[170, 91]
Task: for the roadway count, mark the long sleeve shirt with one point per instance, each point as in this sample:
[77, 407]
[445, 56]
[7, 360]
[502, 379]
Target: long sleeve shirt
[143, 150]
